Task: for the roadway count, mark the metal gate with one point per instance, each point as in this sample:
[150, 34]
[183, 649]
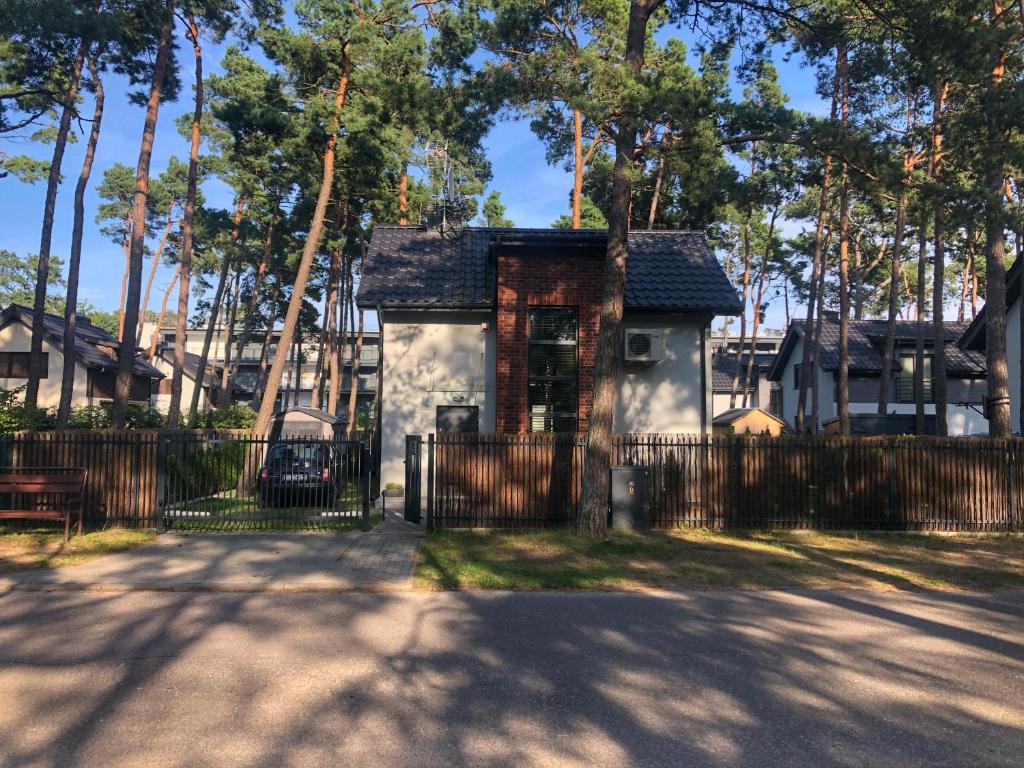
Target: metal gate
[413, 475]
[240, 482]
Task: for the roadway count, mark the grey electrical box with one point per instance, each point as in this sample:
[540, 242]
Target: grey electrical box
[631, 509]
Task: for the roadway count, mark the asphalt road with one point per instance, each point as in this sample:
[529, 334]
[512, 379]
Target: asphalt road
[497, 679]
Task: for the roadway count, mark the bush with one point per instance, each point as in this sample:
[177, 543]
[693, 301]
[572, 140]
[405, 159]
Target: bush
[206, 470]
[15, 415]
[143, 417]
[89, 417]
[232, 417]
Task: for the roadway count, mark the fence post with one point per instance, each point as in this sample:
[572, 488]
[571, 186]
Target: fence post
[1012, 490]
[161, 482]
[890, 471]
[430, 481]
[367, 472]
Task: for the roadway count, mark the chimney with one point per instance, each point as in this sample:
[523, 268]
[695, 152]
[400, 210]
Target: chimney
[831, 315]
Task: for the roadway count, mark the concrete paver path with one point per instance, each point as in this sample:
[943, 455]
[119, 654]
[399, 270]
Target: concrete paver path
[382, 559]
[727, 679]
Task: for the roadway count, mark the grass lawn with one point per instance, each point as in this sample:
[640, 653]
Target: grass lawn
[687, 559]
[22, 550]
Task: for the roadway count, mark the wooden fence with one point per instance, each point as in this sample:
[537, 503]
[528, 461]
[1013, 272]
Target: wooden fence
[909, 484]
[124, 469]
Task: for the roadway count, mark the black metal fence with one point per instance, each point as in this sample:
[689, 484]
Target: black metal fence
[904, 484]
[207, 480]
[246, 482]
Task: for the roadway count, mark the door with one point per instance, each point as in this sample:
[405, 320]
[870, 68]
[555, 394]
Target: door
[413, 450]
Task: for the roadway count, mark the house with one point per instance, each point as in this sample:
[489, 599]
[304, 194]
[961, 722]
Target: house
[495, 329]
[299, 373]
[164, 362]
[741, 421]
[761, 392]
[96, 368]
[965, 372]
[974, 338]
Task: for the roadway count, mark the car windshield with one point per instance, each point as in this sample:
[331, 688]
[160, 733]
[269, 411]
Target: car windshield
[314, 452]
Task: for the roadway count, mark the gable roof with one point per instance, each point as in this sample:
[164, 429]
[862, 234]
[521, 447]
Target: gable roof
[190, 368]
[313, 413]
[413, 267]
[94, 347]
[723, 368]
[866, 345]
[974, 336]
[732, 415]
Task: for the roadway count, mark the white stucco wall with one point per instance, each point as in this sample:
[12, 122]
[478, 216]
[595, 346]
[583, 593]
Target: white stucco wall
[670, 395]
[16, 337]
[1013, 356]
[432, 358]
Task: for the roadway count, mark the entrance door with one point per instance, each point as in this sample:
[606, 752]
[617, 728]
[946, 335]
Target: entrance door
[413, 451]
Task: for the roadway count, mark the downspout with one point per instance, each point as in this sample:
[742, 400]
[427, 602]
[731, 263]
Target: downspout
[704, 376]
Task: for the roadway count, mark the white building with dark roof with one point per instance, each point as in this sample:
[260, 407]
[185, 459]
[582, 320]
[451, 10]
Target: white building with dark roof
[495, 329]
[96, 368]
[965, 374]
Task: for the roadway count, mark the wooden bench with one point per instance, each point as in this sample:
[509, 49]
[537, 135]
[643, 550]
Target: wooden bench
[44, 493]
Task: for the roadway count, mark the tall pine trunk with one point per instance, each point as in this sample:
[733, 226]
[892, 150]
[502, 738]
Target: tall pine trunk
[187, 236]
[939, 272]
[577, 169]
[225, 371]
[254, 297]
[126, 352]
[67, 381]
[218, 298]
[843, 375]
[919, 337]
[998, 410]
[308, 252]
[353, 395]
[154, 338]
[36, 367]
[895, 267]
[152, 271]
[592, 519]
[403, 195]
[744, 300]
[748, 377]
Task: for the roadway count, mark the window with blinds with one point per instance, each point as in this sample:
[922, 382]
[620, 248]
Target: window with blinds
[552, 386]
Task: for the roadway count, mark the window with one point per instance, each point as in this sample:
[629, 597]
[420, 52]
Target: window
[905, 379]
[15, 365]
[552, 392]
[796, 376]
[775, 402]
[458, 418]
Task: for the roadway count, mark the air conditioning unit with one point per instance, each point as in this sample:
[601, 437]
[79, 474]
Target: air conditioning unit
[644, 346]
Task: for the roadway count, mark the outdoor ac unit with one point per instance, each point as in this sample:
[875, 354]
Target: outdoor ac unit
[644, 346]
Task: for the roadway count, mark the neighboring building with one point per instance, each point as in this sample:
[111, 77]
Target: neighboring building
[742, 421]
[495, 329]
[974, 338]
[299, 421]
[965, 373]
[96, 368]
[762, 392]
[300, 368]
[164, 361]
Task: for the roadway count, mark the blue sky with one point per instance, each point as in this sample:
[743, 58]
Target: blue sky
[533, 192]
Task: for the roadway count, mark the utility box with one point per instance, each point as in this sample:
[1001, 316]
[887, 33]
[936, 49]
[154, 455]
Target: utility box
[631, 508]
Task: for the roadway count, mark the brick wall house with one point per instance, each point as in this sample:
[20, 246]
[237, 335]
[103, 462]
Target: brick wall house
[496, 329]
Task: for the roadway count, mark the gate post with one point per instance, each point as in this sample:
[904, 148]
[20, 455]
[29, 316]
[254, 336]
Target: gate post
[161, 482]
[430, 481]
[367, 473]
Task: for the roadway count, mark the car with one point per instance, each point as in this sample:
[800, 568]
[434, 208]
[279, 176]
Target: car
[302, 472]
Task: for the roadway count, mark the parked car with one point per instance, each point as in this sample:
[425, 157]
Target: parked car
[307, 472]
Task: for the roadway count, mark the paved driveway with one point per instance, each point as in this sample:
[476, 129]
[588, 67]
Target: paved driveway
[499, 679]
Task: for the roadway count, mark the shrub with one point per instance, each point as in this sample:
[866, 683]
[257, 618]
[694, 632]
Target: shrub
[89, 417]
[206, 470]
[232, 417]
